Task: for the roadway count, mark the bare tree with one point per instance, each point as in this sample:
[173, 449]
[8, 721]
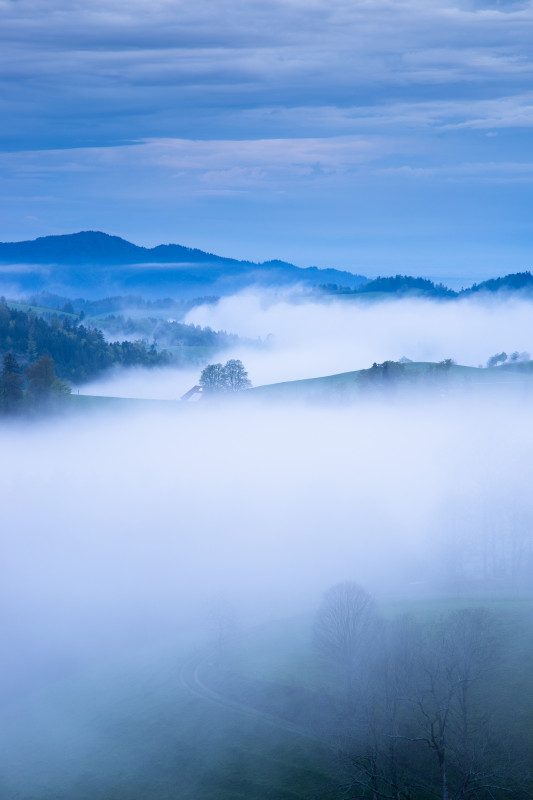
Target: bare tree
[453, 700]
[344, 620]
[213, 379]
[378, 764]
[232, 377]
[236, 376]
[222, 619]
[424, 723]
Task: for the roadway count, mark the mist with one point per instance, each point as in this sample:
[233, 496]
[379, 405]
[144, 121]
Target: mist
[299, 338]
[122, 532]
[135, 520]
[311, 339]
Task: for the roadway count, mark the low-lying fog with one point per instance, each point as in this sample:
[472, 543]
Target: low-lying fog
[121, 530]
[125, 526]
[307, 339]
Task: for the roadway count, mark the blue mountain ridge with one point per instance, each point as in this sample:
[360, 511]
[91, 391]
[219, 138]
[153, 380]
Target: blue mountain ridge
[92, 262]
[97, 264]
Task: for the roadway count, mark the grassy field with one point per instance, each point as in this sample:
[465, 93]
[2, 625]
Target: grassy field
[131, 731]
[127, 729]
[415, 376]
[88, 402]
[41, 310]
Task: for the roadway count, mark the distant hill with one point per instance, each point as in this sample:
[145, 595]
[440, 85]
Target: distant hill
[518, 281]
[97, 248]
[399, 285]
[406, 285]
[92, 263]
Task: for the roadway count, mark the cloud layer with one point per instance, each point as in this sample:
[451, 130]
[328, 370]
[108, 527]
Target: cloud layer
[303, 339]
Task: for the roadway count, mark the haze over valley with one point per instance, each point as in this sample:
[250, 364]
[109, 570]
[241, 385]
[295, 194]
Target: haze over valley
[162, 538]
[266, 380]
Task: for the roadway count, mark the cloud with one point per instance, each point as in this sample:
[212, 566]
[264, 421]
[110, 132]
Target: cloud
[202, 164]
[423, 117]
[314, 339]
[118, 530]
[275, 106]
[309, 339]
[148, 64]
[137, 520]
[494, 172]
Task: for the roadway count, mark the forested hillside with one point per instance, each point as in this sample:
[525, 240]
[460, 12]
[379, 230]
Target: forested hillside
[402, 285]
[79, 352]
[81, 349]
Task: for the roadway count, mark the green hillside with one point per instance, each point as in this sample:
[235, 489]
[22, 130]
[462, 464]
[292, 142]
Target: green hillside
[253, 718]
[396, 377]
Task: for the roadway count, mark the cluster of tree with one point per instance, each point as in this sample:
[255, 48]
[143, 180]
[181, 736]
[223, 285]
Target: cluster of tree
[230, 377]
[384, 375]
[78, 352]
[392, 374]
[397, 284]
[502, 358]
[406, 284]
[170, 333]
[413, 707]
[516, 281]
[119, 303]
[43, 387]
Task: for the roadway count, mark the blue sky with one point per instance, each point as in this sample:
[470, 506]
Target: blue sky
[374, 135]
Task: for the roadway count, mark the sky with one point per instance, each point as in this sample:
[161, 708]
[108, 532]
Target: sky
[380, 136]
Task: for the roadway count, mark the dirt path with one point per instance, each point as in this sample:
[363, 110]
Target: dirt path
[191, 679]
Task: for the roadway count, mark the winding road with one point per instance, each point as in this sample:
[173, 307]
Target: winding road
[191, 679]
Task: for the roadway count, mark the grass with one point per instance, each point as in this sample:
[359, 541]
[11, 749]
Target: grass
[415, 376]
[26, 307]
[87, 402]
[132, 732]
[128, 730]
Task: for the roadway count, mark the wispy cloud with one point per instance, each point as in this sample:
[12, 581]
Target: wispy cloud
[128, 57]
[222, 163]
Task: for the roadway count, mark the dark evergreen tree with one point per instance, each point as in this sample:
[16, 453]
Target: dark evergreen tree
[43, 383]
[11, 383]
[78, 352]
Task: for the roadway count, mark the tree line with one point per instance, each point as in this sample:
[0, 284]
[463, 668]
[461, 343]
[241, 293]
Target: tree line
[79, 352]
[37, 388]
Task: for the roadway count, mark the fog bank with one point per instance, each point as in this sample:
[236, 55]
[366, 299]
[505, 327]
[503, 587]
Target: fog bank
[303, 339]
[311, 339]
[124, 533]
[124, 526]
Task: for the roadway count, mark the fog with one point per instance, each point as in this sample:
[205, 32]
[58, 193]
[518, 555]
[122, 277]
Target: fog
[120, 531]
[311, 339]
[116, 527]
[301, 338]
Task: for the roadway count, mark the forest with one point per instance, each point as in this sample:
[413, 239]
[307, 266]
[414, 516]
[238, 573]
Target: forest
[77, 350]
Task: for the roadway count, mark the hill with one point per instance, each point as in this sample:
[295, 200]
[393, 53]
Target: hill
[409, 286]
[516, 282]
[92, 264]
[393, 378]
[397, 285]
[81, 351]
